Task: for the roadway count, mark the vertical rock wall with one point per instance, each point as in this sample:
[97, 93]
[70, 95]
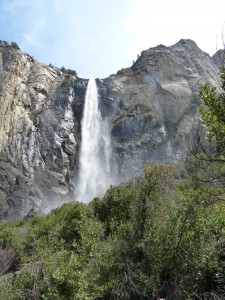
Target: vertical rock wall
[37, 133]
[153, 105]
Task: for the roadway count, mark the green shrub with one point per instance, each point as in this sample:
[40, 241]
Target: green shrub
[15, 45]
[158, 236]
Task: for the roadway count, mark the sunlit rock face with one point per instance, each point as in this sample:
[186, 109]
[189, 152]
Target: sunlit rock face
[219, 58]
[151, 107]
[155, 104]
[38, 133]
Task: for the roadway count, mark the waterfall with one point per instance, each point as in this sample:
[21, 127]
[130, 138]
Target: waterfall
[95, 154]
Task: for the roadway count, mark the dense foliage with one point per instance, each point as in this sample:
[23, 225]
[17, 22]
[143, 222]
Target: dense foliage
[153, 237]
[212, 112]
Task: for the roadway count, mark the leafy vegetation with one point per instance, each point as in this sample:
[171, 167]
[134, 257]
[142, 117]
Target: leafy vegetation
[15, 45]
[212, 113]
[154, 237]
[68, 71]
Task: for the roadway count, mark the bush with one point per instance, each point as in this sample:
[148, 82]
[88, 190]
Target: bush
[154, 237]
[68, 71]
[15, 45]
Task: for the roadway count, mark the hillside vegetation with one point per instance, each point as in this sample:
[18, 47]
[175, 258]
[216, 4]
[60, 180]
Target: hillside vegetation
[160, 236]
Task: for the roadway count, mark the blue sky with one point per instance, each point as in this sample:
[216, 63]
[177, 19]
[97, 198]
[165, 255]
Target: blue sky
[99, 37]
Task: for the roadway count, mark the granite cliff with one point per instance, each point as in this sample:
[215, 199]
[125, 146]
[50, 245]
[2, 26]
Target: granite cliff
[38, 132]
[151, 107]
[155, 103]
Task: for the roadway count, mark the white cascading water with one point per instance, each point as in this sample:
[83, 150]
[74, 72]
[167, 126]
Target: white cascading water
[95, 154]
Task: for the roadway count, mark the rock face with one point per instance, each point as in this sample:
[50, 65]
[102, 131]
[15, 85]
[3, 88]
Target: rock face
[38, 133]
[155, 104]
[219, 58]
[151, 107]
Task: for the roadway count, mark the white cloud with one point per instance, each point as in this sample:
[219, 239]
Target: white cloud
[30, 39]
[33, 35]
[165, 22]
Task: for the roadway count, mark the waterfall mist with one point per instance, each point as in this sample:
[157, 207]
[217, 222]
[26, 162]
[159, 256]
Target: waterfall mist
[95, 161]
